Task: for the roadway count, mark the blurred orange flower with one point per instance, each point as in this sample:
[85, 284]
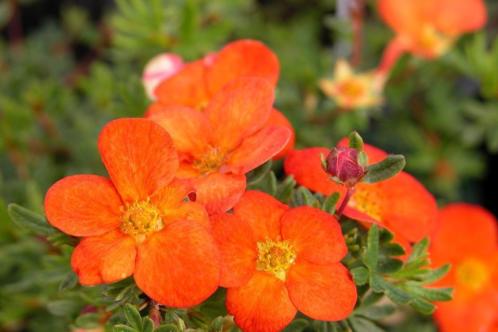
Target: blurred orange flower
[137, 223]
[229, 138]
[466, 236]
[272, 265]
[350, 90]
[428, 28]
[400, 203]
[199, 81]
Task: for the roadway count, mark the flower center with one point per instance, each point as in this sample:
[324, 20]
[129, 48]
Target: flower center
[434, 41]
[352, 88]
[275, 257]
[367, 201]
[210, 162]
[472, 274]
[140, 219]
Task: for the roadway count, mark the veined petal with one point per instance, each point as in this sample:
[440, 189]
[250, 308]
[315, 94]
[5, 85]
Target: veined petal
[219, 192]
[257, 149]
[104, 259]
[179, 266]
[243, 58]
[189, 129]
[237, 248]
[261, 305]
[323, 292]
[305, 226]
[277, 118]
[263, 213]
[139, 156]
[83, 205]
[187, 87]
[239, 110]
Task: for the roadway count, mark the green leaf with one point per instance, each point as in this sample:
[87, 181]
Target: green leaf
[330, 203]
[123, 328]
[88, 321]
[371, 298]
[423, 306]
[297, 325]
[259, 173]
[396, 294]
[430, 294]
[27, 219]
[430, 276]
[63, 307]
[360, 275]
[133, 316]
[361, 324]
[390, 265]
[376, 312]
[372, 253]
[385, 169]
[419, 250]
[355, 141]
[148, 325]
[167, 328]
[70, 281]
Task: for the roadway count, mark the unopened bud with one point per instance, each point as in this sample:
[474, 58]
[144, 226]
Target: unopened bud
[344, 167]
[158, 69]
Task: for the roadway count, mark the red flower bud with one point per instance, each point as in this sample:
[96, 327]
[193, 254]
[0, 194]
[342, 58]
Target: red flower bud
[343, 165]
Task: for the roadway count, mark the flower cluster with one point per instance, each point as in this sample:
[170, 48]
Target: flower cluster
[175, 214]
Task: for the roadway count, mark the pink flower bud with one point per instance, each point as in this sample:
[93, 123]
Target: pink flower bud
[343, 165]
[158, 69]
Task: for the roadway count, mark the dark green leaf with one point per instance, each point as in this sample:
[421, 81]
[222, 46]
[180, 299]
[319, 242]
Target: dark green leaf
[423, 306]
[148, 325]
[167, 328]
[88, 321]
[361, 324]
[355, 141]
[133, 316]
[123, 328]
[27, 219]
[360, 275]
[259, 173]
[372, 252]
[330, 203]
[385, 169]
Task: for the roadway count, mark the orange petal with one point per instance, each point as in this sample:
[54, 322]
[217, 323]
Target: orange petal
[187, 87]
[179, 266]
[261, 305]
[139, 156]
[463, 230]
[104, 259]
[258, 149]
[305, 226]
[83, 205]
[262, 212]
[277, 118]
[243, 58]
[323, 292]
[404, 17]
[454, 17]
[408, 208]
[237, 248]
[219, 192]
[239, 110]
[189, 129]
[306, 168]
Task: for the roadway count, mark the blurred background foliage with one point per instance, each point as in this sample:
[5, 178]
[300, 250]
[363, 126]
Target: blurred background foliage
[68, 67]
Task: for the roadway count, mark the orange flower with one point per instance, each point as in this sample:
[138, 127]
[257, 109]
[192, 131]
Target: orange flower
[231, 137]
[272, 265]
[466, 236]
[199, 81]
[428, 28]
[350, 90]
[400, 203]
[137, 222]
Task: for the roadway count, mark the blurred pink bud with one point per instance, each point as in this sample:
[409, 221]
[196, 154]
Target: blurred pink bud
[342, 164]
[209, 58]
[158, 69]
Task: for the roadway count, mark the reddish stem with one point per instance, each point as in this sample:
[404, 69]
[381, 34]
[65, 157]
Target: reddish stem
[155, 314]
[345, 201]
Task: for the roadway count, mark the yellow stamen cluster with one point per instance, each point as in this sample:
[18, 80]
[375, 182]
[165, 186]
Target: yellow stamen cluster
[140, 219]
[210, 162]
[367, 202]
[472, 274]
[434, 41]
[275, 257]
